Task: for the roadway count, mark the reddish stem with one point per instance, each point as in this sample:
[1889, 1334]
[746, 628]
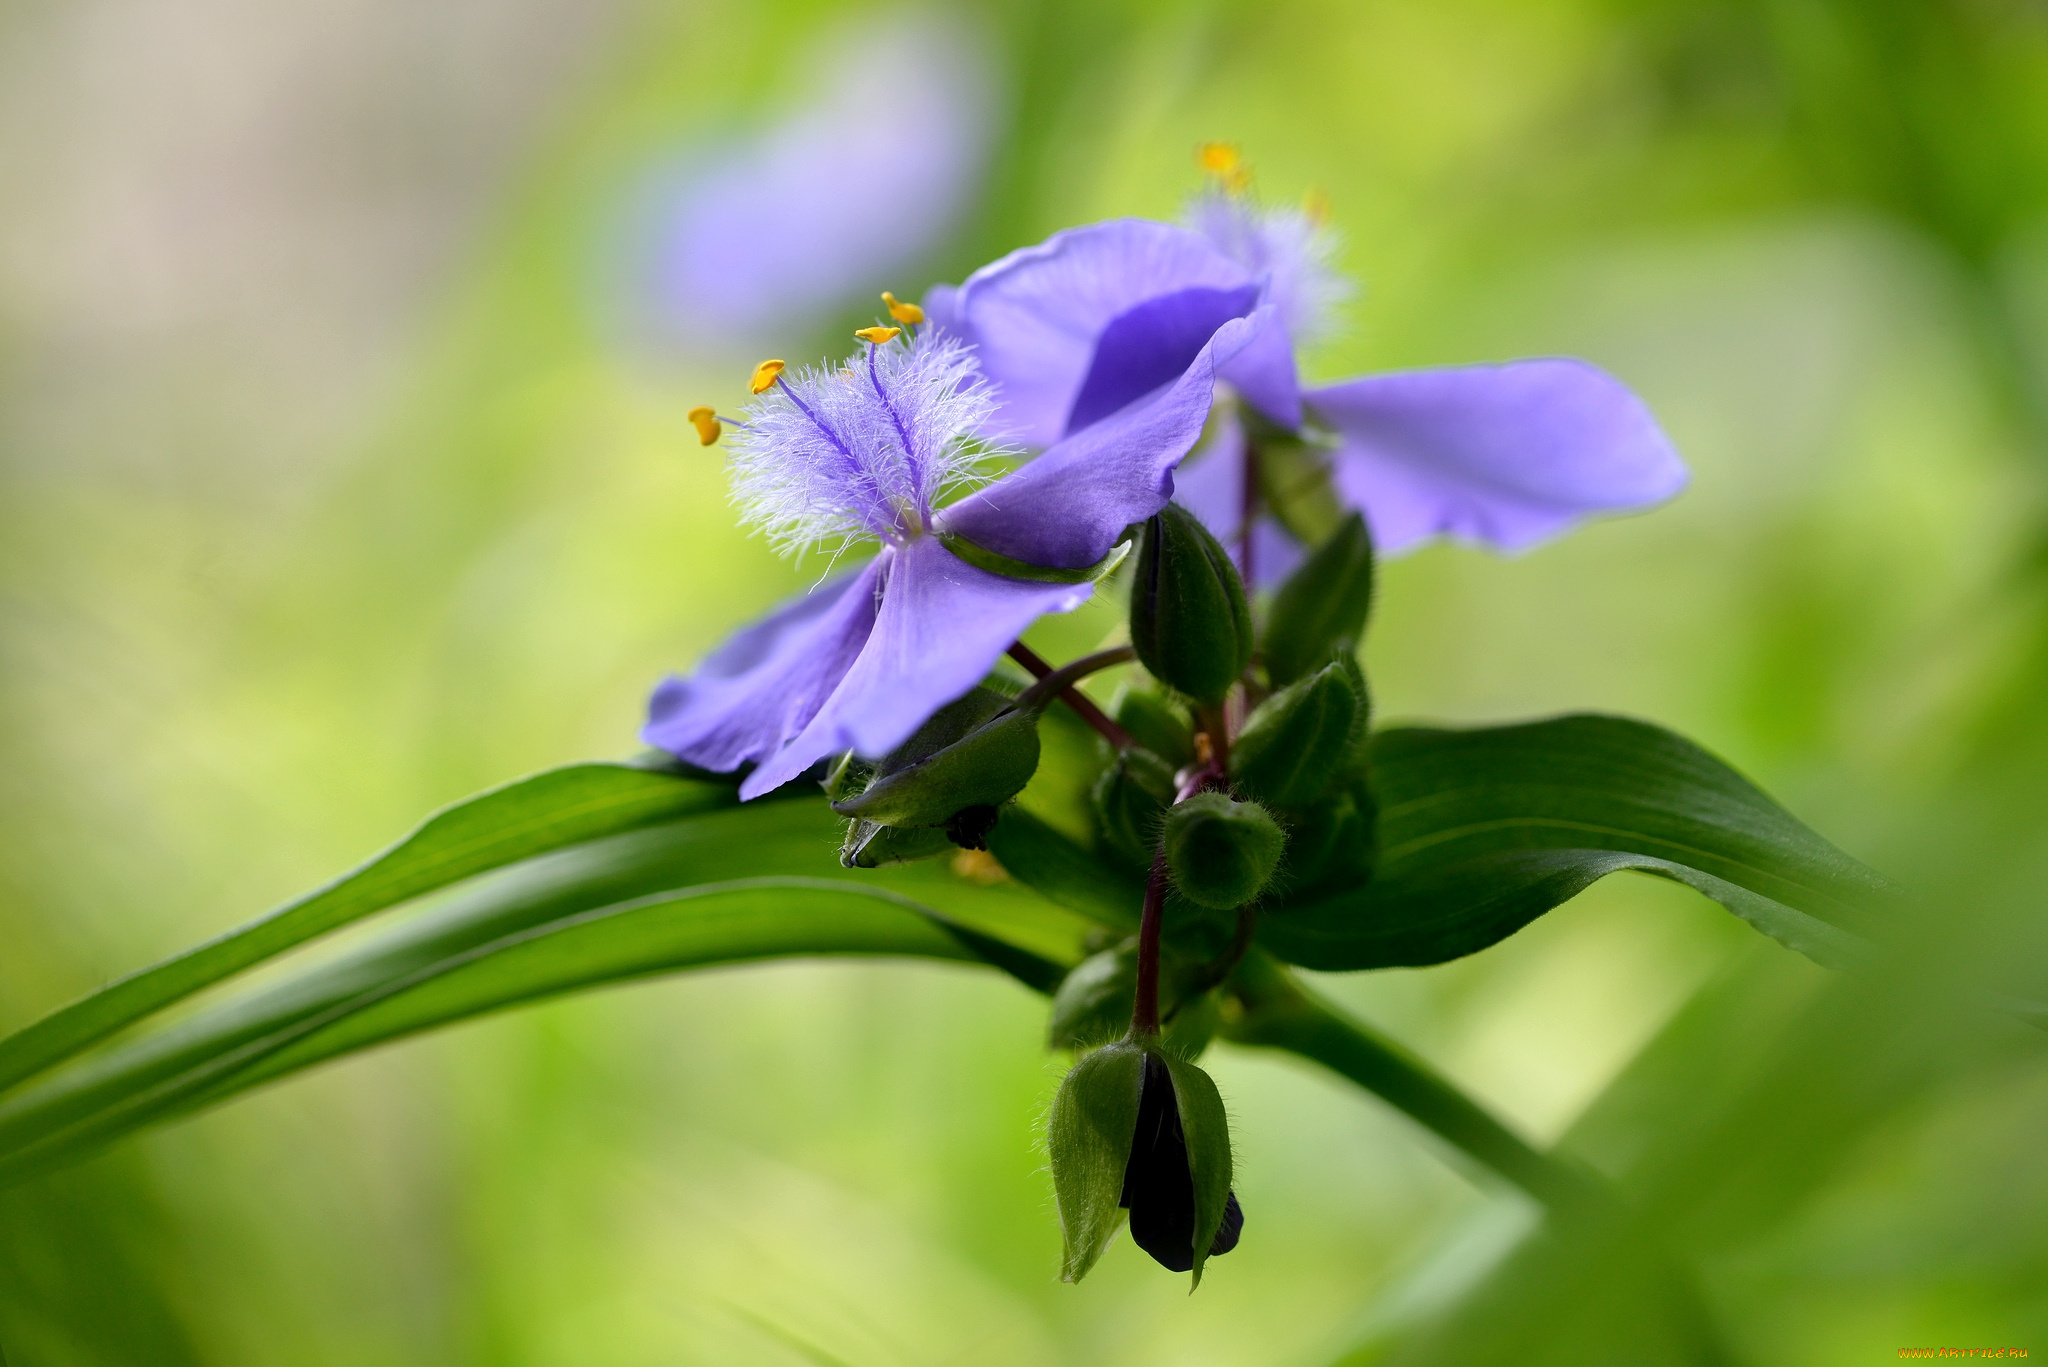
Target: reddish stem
[1145, 1005]
[1083, 705]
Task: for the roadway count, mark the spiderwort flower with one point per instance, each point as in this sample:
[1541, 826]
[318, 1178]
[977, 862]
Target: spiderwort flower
[873, 448]
[1506, 455]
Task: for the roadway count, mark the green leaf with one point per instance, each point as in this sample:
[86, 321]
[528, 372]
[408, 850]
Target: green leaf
[1323, 605]
[530, 816]
[1482, 831]
[687, 893]
[1065, 871]
[1207, 1130]
[1094, 1115]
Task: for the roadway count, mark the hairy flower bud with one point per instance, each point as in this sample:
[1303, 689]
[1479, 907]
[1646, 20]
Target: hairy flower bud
[1323, 606]
[1156, 722]
[870, 846]
[1190, 623]
[1331, 846]
[1220, 852]
[976, 752]
[1296, 743]
[1135, 1127]
[1131, 797]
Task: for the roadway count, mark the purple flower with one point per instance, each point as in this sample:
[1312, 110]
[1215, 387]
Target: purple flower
[761, 231]
[870, 449]
[1506, 455]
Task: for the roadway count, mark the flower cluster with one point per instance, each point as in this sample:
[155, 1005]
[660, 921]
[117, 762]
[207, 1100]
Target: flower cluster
[1243, 770]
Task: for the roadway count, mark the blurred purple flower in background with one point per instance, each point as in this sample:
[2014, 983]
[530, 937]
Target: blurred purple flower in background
[761, 234]
[867, 449]
[1506, 455]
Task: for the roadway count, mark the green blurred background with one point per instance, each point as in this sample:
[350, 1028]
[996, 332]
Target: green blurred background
[333, 487]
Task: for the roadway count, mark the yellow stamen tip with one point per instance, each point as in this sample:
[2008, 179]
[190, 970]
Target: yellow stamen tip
[909, 314]
[878, 335]
[705, 420]
[1220, 158]
[764, 375]
[1316, 204]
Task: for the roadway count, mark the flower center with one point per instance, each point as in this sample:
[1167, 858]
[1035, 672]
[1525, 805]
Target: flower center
[864, 449]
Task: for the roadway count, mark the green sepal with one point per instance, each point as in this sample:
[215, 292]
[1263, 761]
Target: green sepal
[1156, 722]
[1331, 845]
[1130, 798]
[869, 845]
[1221, 853]
[982, 558]
[1207, 1129]
[1190, 623]
[1323, 606]
[1296, 743]
[988, 766]
[847, 776]
[1094, 1118]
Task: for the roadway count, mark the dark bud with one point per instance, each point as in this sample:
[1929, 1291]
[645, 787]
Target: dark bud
[1156, 722]
[1131, 797]
[969, 827]
[1323, 606]
[1296, 743]
[870, 846]
[1136, 1127]
[1190, 623]
[1220, 852]
[1159, 1183]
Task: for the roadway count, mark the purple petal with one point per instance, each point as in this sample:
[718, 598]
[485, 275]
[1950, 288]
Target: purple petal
[1264, 374]
[765, 684]
[1036, 314]
[1151, 345]
[1502, 454]
[942, 625]
[1067, 508]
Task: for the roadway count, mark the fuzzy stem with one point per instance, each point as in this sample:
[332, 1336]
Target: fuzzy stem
[1083, 705]
[1145, 1003]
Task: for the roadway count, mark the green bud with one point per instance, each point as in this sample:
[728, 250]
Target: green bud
[870, 846]
[1295, 743]
[1093, 1003]
[1323, 606]
[1220, 852]
[987, 766]
[1156, 722]
[1094, 1117]
[1331, 846]
[1131, 797]
[847, 776]
[1190, 623]
[1136, 1126]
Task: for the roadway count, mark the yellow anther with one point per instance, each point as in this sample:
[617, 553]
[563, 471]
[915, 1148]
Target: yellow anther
[764, 375]
[1220, 158]
[909, 314]
[705, 420]
[1316, 204]
[878, 335]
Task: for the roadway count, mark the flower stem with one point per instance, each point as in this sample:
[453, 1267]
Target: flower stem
[1083, 705]
[1279, 1013]
[1145, 1003]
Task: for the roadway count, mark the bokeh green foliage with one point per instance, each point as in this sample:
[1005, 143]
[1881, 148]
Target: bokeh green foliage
[1810, 231]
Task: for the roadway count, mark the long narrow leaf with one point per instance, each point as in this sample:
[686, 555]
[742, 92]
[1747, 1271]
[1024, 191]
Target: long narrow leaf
[1482, 831]
[531, 816]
